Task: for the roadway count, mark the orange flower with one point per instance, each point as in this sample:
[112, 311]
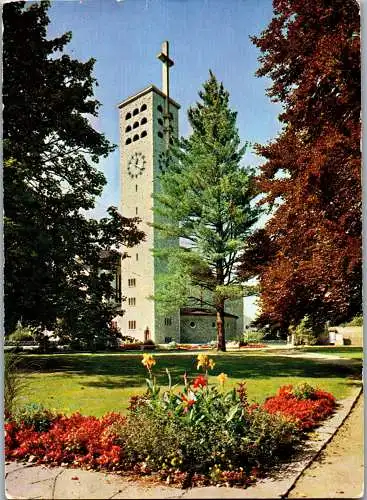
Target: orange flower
[222, 378]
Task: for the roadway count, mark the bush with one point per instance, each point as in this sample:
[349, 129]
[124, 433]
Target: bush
[22, 334]
[303, 333]
[34, 415]
[356, 321]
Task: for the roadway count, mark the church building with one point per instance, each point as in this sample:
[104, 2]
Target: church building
[148, 123]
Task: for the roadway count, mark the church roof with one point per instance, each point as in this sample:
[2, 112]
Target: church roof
[146, 91]
[191, 311]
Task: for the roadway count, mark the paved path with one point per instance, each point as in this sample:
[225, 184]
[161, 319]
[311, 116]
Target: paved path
[338, 472]
[25, 481]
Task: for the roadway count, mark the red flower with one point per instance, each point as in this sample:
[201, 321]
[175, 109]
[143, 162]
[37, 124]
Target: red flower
[200, 381]
[187, 403]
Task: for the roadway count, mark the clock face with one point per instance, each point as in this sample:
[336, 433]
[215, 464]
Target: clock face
[136, 165]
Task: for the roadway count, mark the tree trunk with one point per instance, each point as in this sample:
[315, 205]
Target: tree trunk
[221, 340]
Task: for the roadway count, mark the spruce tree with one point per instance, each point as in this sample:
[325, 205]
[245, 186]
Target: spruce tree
[206, 199]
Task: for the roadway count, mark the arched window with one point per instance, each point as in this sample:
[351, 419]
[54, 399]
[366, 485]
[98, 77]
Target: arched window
[171, 140]
[136, 125]
[160, 134]
[136, 138]
[143, 108]
[171, 116]
[144, 120]
[192, 324]
[144, 133]
[160, 121]
[128, 116]
[128, 141]
[135, 112]
[159, 107]
[128, 128]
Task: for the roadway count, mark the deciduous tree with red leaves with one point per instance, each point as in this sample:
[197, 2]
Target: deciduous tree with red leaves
[308, 257]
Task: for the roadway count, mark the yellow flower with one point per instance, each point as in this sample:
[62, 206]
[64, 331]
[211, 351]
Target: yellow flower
[204, 362]
[222, 377]
[148, 361]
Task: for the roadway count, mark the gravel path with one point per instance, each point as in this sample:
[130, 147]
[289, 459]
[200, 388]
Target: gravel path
[338, 472]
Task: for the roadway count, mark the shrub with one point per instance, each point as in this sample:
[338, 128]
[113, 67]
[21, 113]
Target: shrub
[34, 415]
[303, 333]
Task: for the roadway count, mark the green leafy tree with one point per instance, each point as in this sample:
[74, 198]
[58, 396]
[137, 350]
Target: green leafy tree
[206, 199]
[52, 249]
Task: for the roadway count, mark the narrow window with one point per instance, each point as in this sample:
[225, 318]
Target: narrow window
[136, 188]
[136, 138]
[131, 282]
[143, 108]
[128, 116]
[160, 121]
[136, 210]
[159, 107]
[135, 112]
[144, 120]
[136, 125]
[128, 128]
[160, 134]
[132, 325]
[168, 321]
[128, 141]
[137, 256]
[132, 301]
[144, 133]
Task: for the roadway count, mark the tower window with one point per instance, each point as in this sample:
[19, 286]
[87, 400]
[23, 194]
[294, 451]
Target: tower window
[136, 188]
[213, 324]
[144, 120]
[136, 125]
[128, 128]
[192, 324]
[128, 141]
[171, 116]
[136, 137]
[132, 301]
[168, 321]
[137, 256]
[160, 134]
[132, 325]
[136, 210]
[131, 282]
[160, 121]
[143, 108]
[135, 112]
[128, 116]
[160, 109]
[144, 133]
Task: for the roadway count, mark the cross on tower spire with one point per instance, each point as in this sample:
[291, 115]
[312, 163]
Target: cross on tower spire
[166, 64]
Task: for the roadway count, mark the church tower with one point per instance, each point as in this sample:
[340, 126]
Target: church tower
[148, 123]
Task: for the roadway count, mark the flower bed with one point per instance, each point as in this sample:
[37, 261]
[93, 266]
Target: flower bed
[253, 346]
[201, 435]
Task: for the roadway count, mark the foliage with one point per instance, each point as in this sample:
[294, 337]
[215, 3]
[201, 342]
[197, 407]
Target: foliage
[356, 321]
[202, 430]
[34, 415]
[56, 274]
[22, 333]
[304, 332]
[13, 381]
[206, 198]
[305, 405]
[77, 440]
[308, 256]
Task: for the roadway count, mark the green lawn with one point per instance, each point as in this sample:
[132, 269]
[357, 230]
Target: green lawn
[97, 383]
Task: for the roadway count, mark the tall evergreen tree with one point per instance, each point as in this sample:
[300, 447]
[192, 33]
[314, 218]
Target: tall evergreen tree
[206, 199]
[52, 249]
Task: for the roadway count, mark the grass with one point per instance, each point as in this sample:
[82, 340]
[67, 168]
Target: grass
[95, 384]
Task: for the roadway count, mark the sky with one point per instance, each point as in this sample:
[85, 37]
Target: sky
[124, 38]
